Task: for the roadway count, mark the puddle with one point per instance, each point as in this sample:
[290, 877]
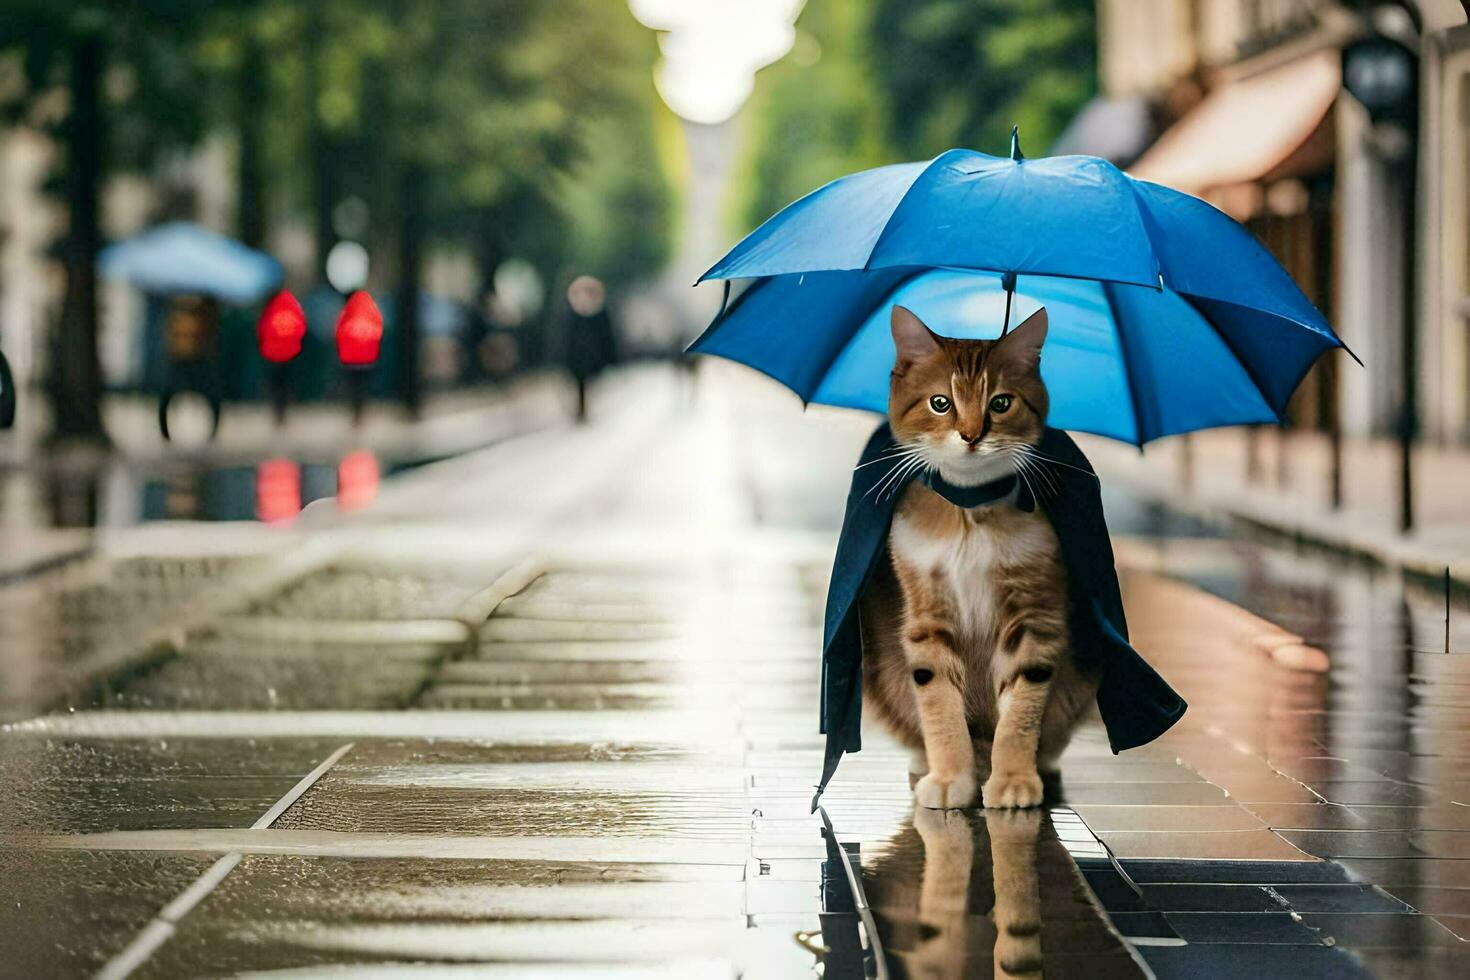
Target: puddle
[58, 785]
[339, 804]
[118, 492]
[969, 894]
[67, 912]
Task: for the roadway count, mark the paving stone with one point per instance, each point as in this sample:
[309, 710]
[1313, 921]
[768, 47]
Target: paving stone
[1437, 901]
[1394, 873]
[1144, 794]
[1338, 898]
[1377, 930]
[1104, 819]
[66, 913]
[1457, 924]
[1415, 964]
[1308, 816]
[1212, 898]
[1353, 843]
[1135, 926]
[1381, 792]
[1259, 845]
[1273, 928]
[1304, 962]
[1228, 872]
[95, 784]
[1115, 892]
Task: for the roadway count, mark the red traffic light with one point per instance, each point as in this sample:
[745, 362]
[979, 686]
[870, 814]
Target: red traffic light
[359, 331]
[281, 327]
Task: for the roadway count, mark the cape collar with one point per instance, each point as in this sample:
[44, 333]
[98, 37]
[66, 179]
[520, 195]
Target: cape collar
[983, 495]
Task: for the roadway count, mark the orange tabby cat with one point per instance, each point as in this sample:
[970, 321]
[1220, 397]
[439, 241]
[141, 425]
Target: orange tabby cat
[967, 651]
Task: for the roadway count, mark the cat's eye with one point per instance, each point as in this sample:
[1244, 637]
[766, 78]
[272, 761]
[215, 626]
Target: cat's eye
[939, 404]
[1000, 404]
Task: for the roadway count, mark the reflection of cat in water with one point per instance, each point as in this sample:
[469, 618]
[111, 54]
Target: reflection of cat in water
[977, 898]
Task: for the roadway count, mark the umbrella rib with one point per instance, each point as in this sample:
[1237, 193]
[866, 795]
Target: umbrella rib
[868, 262]
[1123, 355]
[887, 297]
[1244, 364]
[726, 308]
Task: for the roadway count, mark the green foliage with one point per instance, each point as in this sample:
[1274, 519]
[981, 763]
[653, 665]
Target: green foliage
[537, 109]
[815, 115]
[962, 72]
[528, 117]
[908, 79]
[152, 84]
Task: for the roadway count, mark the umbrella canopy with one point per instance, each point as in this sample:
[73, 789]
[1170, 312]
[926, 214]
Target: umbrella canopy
[182, 258]
[1166, 316]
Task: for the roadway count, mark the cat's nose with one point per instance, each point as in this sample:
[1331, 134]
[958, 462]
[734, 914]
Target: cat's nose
[970, 440]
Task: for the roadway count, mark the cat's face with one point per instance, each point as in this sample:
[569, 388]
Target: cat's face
[967, 406]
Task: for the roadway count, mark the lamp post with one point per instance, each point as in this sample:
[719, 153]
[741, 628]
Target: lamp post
[359, 337]
[278, 335]
[1382, 73]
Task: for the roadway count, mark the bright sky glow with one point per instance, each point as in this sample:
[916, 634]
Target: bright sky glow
[713, 48]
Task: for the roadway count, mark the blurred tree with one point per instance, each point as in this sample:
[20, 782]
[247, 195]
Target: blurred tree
[879, 81]
[112, 79]
[500, 105]
[962, 72]
[815, 115]
[511, 126]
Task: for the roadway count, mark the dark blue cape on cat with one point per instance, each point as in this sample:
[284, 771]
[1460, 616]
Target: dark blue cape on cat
[1136, 704]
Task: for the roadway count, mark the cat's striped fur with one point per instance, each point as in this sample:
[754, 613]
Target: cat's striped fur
[966, 654]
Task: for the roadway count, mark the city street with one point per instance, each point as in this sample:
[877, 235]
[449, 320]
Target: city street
[440, 504]
[552, 704]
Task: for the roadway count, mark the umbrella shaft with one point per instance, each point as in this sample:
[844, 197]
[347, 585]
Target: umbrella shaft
[1008, 281]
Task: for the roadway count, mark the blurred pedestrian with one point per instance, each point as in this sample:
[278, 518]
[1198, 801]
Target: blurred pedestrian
[587, 343]
[7, 394]
[191, 340]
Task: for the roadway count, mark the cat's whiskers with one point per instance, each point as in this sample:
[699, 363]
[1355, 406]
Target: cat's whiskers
[1021, 474]
[900, 453]
[896, 476]
[1040, 457]
[910, 467]
[1025, 464]
[887, 476]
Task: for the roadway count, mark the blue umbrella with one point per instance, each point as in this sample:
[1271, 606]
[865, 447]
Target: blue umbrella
[1166, 316]
[182, 258]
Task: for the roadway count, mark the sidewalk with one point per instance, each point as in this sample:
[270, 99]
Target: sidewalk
[550, 707]
[1289, 491]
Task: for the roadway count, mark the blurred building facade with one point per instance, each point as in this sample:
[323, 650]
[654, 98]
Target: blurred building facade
[1248, 98]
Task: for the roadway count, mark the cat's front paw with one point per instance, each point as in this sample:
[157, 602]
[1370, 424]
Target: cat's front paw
[1012, 790]
[940, 793]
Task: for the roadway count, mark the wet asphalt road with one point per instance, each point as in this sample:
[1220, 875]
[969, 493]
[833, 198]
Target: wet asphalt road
[549, 709]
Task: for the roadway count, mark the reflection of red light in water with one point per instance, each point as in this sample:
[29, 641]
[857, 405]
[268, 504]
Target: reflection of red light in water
[357, 480]
[277, 490]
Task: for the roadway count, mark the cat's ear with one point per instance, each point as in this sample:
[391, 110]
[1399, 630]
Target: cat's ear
[911, 339]
[1023, 344]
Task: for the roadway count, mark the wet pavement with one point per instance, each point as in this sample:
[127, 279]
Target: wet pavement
[549, 708]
